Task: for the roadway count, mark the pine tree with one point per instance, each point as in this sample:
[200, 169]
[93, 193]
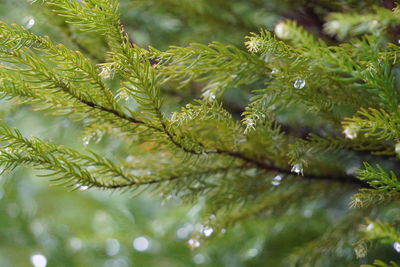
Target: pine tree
[295, 116]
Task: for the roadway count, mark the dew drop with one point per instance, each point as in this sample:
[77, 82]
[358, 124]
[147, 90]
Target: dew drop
[38, 260]
[278, 177]
[193, 243]
[299, 83]
[396, 246]
[184, 231]
[199, 259]
[277, 180]
[75, 243]
[112, 247]
[274, 71]
[334, 25]
[141, 244]
[370, 227]
[83, 188]
[251, 253]
[86, 140]
[275, 183]
[30, 21]
[397, 148]
[351, 131]
[207, 231]
[282, 31]
[208, 94]
[298, 169]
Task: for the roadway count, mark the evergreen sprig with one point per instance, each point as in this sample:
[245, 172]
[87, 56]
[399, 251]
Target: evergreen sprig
[310, 100]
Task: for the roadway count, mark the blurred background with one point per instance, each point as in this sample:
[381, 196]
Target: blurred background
[42, 225]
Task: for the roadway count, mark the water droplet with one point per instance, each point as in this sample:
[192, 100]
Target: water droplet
[184, 231]
[298, 169]
[207, 231]
[208, 94]
[37, 228]
[397, 148]
[333, 25]
[199, 259]
[29, 22]
[351, 131]
[112, 247]
[396, 246]
[39, 260]
[193, 243]
[141, 244]
[274, 71]
[75, 243]
[370, 227]
[279, 177]
[275, 183]
[117, 262]
[251, 253]
[299, 83]
[83, 187]
[277, 180]
[282, 31]
[86, 140]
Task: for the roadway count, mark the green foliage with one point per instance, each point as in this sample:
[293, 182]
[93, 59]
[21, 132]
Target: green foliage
[379, 179]
[381, 263]
[381, 231]
[351, 24]
[255, 157]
